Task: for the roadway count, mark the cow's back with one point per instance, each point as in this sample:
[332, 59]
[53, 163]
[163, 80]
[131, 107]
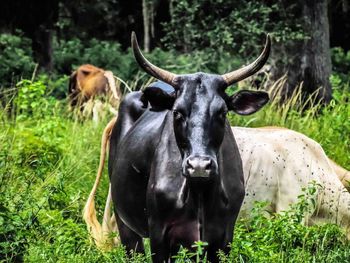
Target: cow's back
[271, 165]
[91, 80]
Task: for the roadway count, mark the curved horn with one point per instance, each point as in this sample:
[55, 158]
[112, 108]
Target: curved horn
[242, 73]
[147, 66]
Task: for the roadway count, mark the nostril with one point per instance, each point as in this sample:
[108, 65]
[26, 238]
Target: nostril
[208, 165]
[189, 164]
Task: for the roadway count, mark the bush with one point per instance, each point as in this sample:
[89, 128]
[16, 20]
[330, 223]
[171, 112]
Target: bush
[283, 238]
[68, 55]
[341, 64]
[32, 99]
[237, 27]
[16, 59]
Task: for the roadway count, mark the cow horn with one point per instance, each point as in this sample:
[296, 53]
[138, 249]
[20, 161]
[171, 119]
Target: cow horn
[242, 73]
[147, 66]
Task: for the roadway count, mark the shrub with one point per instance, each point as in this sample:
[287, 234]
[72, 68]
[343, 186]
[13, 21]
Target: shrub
[68, 55]
[283, 238]
[341, 64]
[16, 59]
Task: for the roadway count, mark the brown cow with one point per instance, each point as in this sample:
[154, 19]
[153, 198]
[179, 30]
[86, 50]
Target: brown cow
[89, 81]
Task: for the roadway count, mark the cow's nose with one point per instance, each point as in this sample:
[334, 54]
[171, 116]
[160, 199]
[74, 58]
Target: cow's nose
[199, 167]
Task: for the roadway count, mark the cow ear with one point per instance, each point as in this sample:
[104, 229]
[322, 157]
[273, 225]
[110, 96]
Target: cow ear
[159, 99]
[246, 102]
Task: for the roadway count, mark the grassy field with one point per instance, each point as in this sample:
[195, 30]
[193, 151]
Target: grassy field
[48, 161]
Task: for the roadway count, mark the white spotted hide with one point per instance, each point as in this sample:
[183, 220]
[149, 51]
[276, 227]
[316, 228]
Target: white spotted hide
[278, 163]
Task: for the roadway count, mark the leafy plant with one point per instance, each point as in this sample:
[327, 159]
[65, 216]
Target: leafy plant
[30, 97]
[283, 238]
[16, 59]
[198, 254]
[234, 26]
[341, 64]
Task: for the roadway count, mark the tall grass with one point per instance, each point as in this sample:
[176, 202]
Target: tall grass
[329, 125]
[48, 161]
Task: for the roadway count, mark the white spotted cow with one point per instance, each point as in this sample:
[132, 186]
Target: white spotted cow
[277, 164]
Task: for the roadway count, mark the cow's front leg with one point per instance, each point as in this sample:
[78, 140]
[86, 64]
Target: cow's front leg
[214, 248]
[218, 233]
[159, 246]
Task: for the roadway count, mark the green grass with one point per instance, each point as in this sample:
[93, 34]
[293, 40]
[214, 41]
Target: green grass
[48, 161]
[329, 126]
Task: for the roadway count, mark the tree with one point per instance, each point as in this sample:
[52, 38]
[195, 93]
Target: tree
[306, 62]
[300, 30]
[339, 13]
[148, 26]
[36, 19]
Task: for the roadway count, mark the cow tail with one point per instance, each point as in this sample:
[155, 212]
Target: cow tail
[101, 234]
[342, 173]
[111, 82]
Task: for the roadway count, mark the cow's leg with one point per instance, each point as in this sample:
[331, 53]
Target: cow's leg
[159, 247]
[218, 237]
[160, 252]
[131, 240]
[213, 250]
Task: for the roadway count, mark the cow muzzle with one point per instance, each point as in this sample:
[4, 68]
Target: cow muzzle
[200, 167]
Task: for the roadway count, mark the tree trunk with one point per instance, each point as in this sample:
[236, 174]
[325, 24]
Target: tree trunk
[309, 60]
[345, 6]
[42, 48]
[146, 25]
[171, 8]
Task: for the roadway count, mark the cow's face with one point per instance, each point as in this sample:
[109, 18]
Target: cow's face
[199, 116]
[199, 106]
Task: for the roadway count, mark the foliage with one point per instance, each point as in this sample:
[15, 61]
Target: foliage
[233, 26]
[341, 64]
[16, 59]
[100, 18]
[30, 98]
[283, 238]
[57, 84]
[70, 54]
[198, 253]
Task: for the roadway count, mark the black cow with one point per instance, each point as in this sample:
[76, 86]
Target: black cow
[176, 173]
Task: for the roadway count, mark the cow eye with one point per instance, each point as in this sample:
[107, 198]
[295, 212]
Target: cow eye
[177, 115]
[222, 115]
